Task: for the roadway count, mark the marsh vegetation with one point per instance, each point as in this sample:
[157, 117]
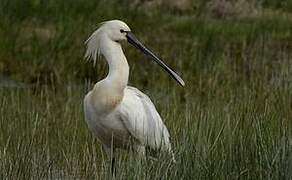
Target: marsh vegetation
[233, 120]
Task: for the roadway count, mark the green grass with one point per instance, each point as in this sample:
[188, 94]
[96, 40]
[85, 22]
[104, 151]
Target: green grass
[233, 120]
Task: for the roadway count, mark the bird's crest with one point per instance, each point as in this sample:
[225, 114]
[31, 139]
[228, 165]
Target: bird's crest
[92, 45]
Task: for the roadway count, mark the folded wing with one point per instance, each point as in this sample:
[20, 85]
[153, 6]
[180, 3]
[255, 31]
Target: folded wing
[142, 120]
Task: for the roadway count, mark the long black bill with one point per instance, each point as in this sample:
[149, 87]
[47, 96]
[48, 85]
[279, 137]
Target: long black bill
[135, 42]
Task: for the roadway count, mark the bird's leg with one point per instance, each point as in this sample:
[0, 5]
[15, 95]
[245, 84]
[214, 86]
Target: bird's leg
[173, 157]
[110, 151]
[141, 157]
[113, 169]
[141, 151]
[111, 156]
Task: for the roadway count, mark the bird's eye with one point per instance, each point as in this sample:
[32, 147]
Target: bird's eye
[122, 31]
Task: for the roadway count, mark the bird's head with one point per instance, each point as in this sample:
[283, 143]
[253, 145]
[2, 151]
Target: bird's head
[114, 30]
[117, 31]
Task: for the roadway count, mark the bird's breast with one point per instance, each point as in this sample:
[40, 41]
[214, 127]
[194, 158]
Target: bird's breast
[105, 102]
[104, 122]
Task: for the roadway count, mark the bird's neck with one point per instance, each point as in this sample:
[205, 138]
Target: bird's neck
[118, 74]
[108, 93]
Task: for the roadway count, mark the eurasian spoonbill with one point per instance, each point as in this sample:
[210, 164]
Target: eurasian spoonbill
[120, 115]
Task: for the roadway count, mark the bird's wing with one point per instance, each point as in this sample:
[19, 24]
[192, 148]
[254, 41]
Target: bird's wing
[142, 120]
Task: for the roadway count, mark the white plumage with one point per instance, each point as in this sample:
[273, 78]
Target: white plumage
[134, 121]
[120, 115]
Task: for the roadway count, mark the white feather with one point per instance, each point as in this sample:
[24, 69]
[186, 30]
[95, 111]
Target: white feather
[142, 120]
[93, 45]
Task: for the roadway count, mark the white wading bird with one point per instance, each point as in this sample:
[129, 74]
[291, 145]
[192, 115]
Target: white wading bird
[117, 114]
